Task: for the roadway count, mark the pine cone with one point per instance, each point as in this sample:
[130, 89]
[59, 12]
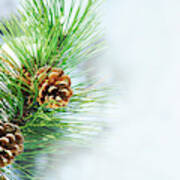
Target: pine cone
[11, 143]
[26, 76]
[2, 177]
[27, 82]
[53, 86]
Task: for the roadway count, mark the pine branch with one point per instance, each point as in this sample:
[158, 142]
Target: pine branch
[43, 39]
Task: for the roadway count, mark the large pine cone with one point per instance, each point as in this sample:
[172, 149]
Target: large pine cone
[54, 87]
[11, 143]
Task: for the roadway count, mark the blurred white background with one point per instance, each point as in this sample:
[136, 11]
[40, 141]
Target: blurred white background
[144, 58]
[7, 7]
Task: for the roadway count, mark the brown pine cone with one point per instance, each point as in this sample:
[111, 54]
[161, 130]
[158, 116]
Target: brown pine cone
[2, 177]
[11, 143]
[54, 87]
[26, 76]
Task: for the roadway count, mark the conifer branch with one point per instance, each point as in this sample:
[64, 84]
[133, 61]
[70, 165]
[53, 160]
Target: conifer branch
[43, 90]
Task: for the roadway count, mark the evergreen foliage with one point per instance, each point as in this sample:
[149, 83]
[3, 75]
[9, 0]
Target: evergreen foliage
[56, 33]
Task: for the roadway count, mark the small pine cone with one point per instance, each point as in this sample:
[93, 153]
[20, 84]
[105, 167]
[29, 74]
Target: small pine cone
[54, 86]
[11, 143]
[26, 76]
[2, 177]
